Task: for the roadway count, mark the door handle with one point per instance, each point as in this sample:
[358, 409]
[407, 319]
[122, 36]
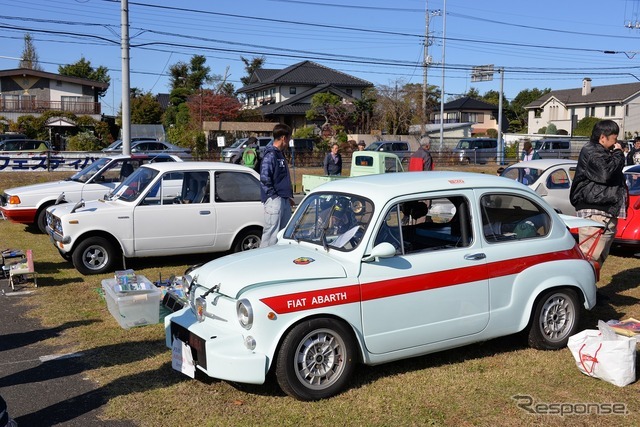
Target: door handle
[475, 257]
[205, 212]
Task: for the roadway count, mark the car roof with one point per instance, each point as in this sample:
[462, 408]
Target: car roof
[382, 187]
[144, 156]
[543, 163]
[192, 165]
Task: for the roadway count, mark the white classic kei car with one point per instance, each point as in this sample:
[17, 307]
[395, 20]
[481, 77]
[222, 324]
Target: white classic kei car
[385, 267]
[162, 209]
[28, 204]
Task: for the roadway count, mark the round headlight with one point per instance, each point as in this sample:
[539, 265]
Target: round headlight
[245, 313]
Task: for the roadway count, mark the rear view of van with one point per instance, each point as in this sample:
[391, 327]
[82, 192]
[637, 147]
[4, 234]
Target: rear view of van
[476, 150]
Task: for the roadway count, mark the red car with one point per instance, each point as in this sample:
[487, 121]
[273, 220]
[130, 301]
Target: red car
[628, 233]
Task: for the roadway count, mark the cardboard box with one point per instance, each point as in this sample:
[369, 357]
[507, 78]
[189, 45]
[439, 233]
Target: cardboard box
[133, 308]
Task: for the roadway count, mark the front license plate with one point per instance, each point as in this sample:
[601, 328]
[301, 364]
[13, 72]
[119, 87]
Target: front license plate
[182, 359]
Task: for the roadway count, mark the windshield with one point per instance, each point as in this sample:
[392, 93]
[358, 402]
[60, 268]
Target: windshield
[633, 183]
[526, 176]
[373, 146]
[238, 143]
[134, 185]
[114, 145]
[336, 221]
[87, 173]
[465, 144]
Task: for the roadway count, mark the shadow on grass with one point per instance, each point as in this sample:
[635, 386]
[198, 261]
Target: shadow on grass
[21, 339]
[67, 409]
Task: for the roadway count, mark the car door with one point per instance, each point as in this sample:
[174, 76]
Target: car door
[436, 287]
[176, 216]
[556, 188]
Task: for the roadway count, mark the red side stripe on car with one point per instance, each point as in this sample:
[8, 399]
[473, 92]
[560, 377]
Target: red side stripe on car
[299, 301]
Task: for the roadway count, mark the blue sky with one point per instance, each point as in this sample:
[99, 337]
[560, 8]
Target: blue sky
[539, 44]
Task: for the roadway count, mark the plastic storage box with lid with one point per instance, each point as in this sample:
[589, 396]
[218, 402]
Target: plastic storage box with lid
[133, 308]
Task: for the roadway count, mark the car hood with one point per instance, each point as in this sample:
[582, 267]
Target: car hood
[260, 267]
[89, 207]
[55, 187]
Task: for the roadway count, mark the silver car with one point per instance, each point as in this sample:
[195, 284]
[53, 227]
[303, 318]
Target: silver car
[550, 178]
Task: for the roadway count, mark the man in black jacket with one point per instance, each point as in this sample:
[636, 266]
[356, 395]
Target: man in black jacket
[598, 191]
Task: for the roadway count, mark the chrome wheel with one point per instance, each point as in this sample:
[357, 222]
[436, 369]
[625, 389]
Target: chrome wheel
[555, 319]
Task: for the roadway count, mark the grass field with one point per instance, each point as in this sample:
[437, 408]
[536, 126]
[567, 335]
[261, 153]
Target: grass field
[473, 385]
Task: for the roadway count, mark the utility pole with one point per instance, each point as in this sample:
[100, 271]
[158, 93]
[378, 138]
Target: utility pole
[425, 65]
[126, 108]
[426, 62]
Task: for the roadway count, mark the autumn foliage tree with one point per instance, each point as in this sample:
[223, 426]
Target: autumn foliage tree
[211, 106]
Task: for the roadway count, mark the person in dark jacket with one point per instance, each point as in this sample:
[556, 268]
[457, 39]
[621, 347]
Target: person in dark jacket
[333, 162]
[275, 186]
[598, 191]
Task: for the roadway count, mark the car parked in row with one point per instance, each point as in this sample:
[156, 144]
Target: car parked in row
[24, 145]
[162, 209]
[475, 150]
[555, 148]
[151, 147]
[550, 178]
[28, 204]
[365, 273]
[233, 153]
[402, 149]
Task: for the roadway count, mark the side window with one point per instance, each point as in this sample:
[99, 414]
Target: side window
[236, 187]
[558, 179]
[509, 217]
[421, 225]
[114, 173]
[195, 187]
[166, 191]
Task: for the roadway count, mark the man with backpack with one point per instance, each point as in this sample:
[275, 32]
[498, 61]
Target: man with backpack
[250, 157]
[421, 160]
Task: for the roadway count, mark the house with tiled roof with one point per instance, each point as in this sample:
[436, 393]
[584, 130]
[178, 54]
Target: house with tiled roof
[565, 108]
[285, 95]
[481, 115]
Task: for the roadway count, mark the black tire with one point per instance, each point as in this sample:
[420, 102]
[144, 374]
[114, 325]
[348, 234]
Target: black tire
[247, 240]
[316, 359]
[555, 318]
[41, 219]
[94, 255]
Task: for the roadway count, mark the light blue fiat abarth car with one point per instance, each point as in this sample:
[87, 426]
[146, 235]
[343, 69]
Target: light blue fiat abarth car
[385, 267]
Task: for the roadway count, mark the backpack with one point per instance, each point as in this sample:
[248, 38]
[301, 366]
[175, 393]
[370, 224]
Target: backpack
[250, 157]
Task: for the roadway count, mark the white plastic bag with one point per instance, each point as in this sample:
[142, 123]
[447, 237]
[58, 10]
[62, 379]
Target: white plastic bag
[611, 360]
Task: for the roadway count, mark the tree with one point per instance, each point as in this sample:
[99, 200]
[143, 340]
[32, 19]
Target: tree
[473, 93]
[211, 106]
[83, 69]
[192, 76]
[585, 126]
[524, 97]
[364, 111]
[29, 58]
[145, 109]
[493, 97]
[552, 129]
[395, 110]
[250, 66]
[83, 141]
[336, 114]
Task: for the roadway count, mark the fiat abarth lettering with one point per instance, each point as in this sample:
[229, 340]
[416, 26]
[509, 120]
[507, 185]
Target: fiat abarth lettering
[385, 267]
